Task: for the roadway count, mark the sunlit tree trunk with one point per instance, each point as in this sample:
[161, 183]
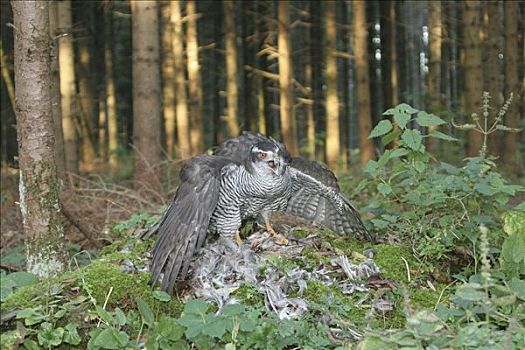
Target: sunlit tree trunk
[389, 54]
[194, 81]
[54, 87]
[471, 62]
[67, 86]
[366, 147]
[168, 78]
[333, 151]
[232, 85]
[286, 101]
[310, 120]
[39, 188]
[146, 92]
[510, 150]
[434, 74]
[87, 102]
[493, 82]
[111, 94]
[183, 121]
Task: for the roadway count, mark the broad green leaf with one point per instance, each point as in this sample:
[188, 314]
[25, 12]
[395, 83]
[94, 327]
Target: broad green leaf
[31, 345]
[391, 136]
[412, 138]
[514, 222]
[104, 315]
[389, 111]
[485, 188]
[22, 278]
[110, 338]
[145, 312]
[233, 309]
[71, 336]
[169, 328]
[60, 313]
[381, 128]
[384, 189]
[401, 118]
[49, 336]
[371, 168]
[216, 329]
[196, 306]
[513, 249]
[469, 293]
[374, 342]
[120, 317]
[161, 295]
[399, 152]
[419, 166]
[5, 292]
[442, 136]
[7, 282]
[425, 119]
[406, 108]
[518, 287]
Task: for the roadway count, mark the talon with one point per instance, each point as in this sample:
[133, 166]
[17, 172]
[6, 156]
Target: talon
[238, 239]
[280, 239]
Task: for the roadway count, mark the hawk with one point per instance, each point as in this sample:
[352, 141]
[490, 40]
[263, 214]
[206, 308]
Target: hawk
[249, 176]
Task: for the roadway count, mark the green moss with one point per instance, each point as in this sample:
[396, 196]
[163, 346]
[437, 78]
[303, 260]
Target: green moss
[390, 259]
[22, 298]
[427, 298]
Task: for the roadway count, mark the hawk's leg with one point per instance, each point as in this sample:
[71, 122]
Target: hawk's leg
[278, 238]
[238, 238]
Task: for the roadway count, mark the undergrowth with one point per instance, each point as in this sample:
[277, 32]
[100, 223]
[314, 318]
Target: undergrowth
[451, 252]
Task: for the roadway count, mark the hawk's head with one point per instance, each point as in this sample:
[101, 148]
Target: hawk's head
[269, 157]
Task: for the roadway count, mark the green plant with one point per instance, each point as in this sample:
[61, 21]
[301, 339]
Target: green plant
[12, 281]
[439, 206]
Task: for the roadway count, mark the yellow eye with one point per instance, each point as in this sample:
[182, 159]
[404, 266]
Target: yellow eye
[262, 155]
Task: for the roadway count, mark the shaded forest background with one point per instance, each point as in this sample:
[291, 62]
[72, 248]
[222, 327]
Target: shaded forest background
[143, 84]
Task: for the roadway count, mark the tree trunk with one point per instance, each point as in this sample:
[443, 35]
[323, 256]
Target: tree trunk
[111, 94]
[492, 74]
[183, 122]
[434, 74]
[366, 147]
[194, 81]
[87, 102]
[168, 78]
[390, 66]
[39, 189]
[68, 86]
[317, 57]
[286, 100]
[232, 86]
[310, 120]
[510, 150]
[54, 87]
[146, 92]
[472, 69]
[333, 151]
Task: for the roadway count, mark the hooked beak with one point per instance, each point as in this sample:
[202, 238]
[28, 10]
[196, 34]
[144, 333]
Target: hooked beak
[274, 165]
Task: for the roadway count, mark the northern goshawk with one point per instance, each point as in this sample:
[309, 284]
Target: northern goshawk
[247, 177]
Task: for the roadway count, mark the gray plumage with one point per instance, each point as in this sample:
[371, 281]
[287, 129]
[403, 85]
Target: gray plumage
[248, 176]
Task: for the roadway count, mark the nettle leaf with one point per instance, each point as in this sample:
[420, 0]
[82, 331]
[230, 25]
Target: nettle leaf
[518, 287]
[401, 118]
[442, 136]
[399, 152]
[120, 317]
[145, 312]
[425, 119]
[104, 315]
[513, 249]
[169, 328]
[233, 310]
[390, 136]
[412, 139]
[215, 328]
[384, 189]
[371, 168]
[381, 128]
[161, 295]
[31, 345]
[485, 189]
[406, 108]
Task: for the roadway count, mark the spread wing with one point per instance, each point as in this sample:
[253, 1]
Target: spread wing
[317, 197]
[183, 227]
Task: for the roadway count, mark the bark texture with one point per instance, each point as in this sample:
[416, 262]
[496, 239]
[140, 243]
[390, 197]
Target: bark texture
[66, 61]
[366, 147]
[333, 150]
[471, 61]
[288, 124]
[146, 92]
[111, 99]
[181, 108]
[194, 80]
[510, 150]
[434, 74]
[168, 79]
[39, 190]
[232, 85]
